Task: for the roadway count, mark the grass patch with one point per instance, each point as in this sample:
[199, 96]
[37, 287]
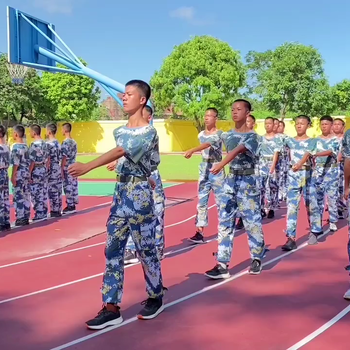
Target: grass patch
[172, 167]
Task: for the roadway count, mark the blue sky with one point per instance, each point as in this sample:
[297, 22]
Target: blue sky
[130, 39]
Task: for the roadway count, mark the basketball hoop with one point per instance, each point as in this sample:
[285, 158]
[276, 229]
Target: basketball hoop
[17, 72]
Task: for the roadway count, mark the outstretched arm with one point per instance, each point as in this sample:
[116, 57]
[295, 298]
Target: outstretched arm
[229, 158]
[79, 169]
[200, 148]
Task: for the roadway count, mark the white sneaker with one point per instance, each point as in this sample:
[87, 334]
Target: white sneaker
[347, 294]
[333, 227]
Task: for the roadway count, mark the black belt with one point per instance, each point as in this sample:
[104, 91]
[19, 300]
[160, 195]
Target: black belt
[242, 172]
[131, 178]
[39, 165]
[211, 161]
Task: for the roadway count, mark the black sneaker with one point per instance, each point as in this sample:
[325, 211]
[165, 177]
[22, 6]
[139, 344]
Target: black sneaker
[255, 267]
[5, 227]
[197, 238]
[69, 210]
[21, 222]
[289, 245]
[39, 219]
[218, 272]
[130, 257]
[270, 214]
[263, 213]
[340, 215]
[239, 225]
[55, 214]
[105, 318]
[152, 308]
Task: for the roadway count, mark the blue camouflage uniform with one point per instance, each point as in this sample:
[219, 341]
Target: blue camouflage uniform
[132, 213]
[69, 150]
[55, 177]
[283, 167]
[159, 209]
[21, 190]
[268, 182]
[300, 182]
[240, 194]
[325, 176]
[4, 187]
[39, 155]
[207, 181]
[342, 207]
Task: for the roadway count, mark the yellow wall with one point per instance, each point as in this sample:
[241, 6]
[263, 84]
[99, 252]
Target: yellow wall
[174, 135]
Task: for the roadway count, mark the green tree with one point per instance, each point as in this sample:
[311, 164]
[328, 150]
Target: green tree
[341, 95]
[74, 97]
[199, 73]
[290, 79]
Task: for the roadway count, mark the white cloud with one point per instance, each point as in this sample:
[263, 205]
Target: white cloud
[186, 13]
[55, 6]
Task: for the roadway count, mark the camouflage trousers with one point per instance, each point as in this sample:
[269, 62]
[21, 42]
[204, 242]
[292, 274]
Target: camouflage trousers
[327, 186]
[207, 182]
[240, 193]
[21, 199]
[38, 192]
[131, 213]
[341, 202]
[55, 195]
[300, 182]
[4, 197]
[70, 187]
[159, 209]
[268, 185]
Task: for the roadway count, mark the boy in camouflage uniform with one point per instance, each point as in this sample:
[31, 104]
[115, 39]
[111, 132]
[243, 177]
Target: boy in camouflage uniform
[54, 172]
[20, 177]
[39, 158]
[4, 182]
[69, 151]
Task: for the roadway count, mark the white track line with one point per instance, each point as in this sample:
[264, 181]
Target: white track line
[180, 300]
[86, 247]
[320, 330]
[93, 276]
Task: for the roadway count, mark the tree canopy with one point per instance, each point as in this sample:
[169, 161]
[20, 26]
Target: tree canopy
[199, 73]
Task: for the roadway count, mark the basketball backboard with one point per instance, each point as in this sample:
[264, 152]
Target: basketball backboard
[24, 36]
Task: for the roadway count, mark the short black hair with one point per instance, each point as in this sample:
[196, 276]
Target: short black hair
[213, 109]
[2, 131]
[67, 127]
[19, 130]
[142, 86]
[52, 127]
[251, 116]
[36, 128]
[276, 119]
[268, 118]
[247, 103]
[149, 109]
[282, 122]
[303, 116]
[327, 118]
[339, 120]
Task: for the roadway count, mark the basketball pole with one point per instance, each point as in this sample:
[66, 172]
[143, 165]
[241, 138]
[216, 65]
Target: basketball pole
[74, 64]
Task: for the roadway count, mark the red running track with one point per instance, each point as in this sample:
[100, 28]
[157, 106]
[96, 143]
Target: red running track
[292, 297]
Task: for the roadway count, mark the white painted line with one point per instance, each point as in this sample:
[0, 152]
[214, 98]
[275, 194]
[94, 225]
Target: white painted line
[320, 330]
[92, 276]
[180, 300]
[86, 247]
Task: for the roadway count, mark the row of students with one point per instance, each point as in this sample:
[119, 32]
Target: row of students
[38, 174]
[312, 165]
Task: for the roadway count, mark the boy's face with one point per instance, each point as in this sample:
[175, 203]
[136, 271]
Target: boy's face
[326, 127]
[32, 133]
[276, 124]
[269, 125]
[338, 127]
[132, 99]
[250, 123]
[301, 125]
[240, 112]
[210, 118]
[280, 129]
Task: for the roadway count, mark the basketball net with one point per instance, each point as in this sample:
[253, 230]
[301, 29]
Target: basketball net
[17, 72]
